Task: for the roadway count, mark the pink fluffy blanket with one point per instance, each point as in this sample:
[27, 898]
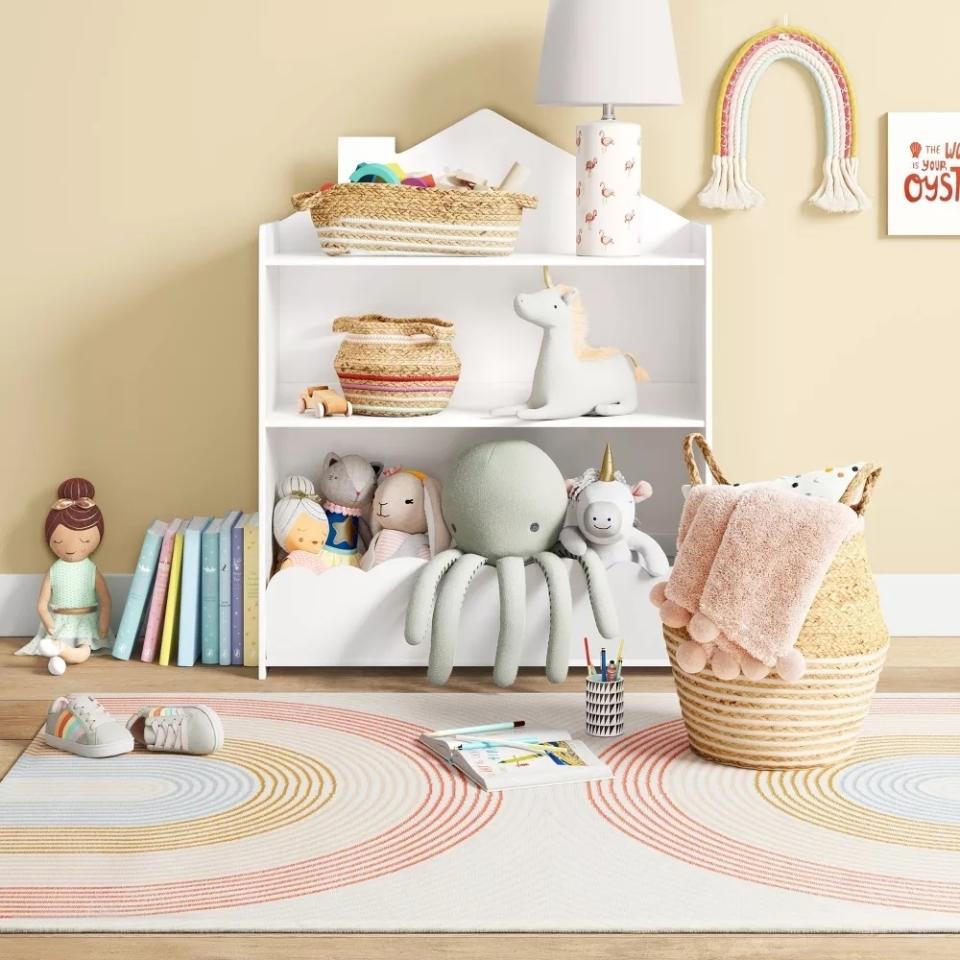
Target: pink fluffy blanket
[749, 565]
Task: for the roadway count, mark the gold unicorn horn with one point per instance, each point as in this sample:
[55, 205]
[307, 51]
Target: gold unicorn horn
[606, 468]
[547, 279]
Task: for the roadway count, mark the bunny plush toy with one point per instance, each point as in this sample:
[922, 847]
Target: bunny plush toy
[405, 518]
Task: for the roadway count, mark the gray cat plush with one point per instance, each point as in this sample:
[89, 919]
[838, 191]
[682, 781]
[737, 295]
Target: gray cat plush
[346, 488]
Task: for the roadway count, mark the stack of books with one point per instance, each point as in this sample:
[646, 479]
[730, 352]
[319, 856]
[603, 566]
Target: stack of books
[194, 594]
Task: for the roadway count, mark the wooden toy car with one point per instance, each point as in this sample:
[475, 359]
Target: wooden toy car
[324, 402]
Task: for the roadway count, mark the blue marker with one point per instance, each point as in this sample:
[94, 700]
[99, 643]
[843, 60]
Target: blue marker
[603, 664]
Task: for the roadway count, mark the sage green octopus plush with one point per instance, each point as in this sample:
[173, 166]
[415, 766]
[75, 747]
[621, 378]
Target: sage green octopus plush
[505, 503]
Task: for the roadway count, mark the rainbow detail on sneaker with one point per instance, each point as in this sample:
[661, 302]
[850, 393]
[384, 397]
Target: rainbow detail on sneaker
[79, 724]
[192, 728]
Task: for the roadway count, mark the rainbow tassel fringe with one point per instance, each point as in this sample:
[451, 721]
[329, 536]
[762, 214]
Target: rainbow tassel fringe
[729, 187]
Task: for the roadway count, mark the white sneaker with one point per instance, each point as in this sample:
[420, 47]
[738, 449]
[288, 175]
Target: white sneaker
[79, 724]
[193, 728]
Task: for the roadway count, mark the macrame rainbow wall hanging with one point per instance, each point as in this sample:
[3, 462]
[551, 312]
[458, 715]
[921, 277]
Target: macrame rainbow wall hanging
[729, 187]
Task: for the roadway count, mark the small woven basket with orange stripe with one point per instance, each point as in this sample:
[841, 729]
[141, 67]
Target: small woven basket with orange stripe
[392, 367]
[772, 724]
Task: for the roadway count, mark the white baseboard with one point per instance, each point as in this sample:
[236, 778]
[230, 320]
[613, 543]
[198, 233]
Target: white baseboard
[18, 601]
[920, 604]
[914, 604]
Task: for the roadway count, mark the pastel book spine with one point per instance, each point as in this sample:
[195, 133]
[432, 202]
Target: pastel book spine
[188, 646]
[251, 593]
[226, 572]
[171, 612]
[139, 591]
[158, 599]
[210, 593]
[236, 591]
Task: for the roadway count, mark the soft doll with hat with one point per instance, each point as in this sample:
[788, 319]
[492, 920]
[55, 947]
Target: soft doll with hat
[405, 520]
[346, 488]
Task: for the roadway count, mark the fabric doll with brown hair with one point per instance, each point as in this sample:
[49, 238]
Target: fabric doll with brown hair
[74, 604]
[405, 518]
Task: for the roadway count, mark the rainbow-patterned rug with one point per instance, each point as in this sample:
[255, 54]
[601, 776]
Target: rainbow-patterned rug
[322, 813]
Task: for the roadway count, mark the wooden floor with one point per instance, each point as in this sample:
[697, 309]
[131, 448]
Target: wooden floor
[915, 665]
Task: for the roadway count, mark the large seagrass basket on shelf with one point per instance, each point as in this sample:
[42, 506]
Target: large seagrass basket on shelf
[378, 218]
[772, 724]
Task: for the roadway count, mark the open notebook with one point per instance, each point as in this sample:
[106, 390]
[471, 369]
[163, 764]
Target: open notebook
[571, 763]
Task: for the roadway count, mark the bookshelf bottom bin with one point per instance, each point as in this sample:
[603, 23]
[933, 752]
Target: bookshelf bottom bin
[348, 617]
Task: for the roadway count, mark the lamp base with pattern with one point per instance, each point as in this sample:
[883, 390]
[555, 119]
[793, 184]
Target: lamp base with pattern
[608, 188]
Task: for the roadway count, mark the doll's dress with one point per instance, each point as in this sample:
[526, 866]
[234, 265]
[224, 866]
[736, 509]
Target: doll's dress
[72, 585]
[343, 539]
[314, 562]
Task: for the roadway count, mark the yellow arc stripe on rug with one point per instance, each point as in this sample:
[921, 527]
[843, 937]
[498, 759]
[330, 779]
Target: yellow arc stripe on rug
[290, 787]
[812, 796]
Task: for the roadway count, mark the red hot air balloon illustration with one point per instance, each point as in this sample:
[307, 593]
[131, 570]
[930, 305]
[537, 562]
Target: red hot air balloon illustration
[915, 149]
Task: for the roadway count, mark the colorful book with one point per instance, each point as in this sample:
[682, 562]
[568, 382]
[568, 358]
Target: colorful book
[493, 766]
[251, 592]
[139, 591]
[158, 599]
[226, 537]
[171, 610]
[236, 591]
[210, 592]
[188, 647]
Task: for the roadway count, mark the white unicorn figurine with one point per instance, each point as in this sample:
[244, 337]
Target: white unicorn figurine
[572, 379]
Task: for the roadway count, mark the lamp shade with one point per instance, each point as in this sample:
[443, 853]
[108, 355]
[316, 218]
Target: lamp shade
[609, 51]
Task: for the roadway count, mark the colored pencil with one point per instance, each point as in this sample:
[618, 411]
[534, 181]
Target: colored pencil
[528, 756]
[619, 660]
[484, 744]
[483, 728]
[527, 747]
[586, 651]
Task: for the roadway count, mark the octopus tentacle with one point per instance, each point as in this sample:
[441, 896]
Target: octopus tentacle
[513, 613]
[420, 610]
[601, 597]
[446, 616]
[561, 615]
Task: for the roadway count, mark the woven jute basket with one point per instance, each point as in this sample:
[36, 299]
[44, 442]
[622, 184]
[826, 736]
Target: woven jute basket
[390, 367]
[372, 218]
[771, 724]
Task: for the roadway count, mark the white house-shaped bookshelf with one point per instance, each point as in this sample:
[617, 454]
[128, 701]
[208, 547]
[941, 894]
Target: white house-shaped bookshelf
[654, 304]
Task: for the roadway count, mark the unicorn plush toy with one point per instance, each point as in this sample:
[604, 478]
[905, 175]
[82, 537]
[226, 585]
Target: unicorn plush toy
[602, 516]
[572, 378]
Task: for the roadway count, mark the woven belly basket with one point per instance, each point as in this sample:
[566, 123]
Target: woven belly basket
[393, 367]
[771, 724]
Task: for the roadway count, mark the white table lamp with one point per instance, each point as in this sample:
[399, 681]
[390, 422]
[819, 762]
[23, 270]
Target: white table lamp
[608, 52]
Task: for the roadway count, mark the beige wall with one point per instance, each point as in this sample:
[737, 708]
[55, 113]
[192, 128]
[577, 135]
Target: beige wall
[142, 143]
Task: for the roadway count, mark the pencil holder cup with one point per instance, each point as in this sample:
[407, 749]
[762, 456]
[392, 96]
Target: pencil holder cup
[604, 708]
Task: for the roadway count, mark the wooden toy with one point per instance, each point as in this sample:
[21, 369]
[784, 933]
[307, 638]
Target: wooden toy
[377, 173]
[324, 401]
